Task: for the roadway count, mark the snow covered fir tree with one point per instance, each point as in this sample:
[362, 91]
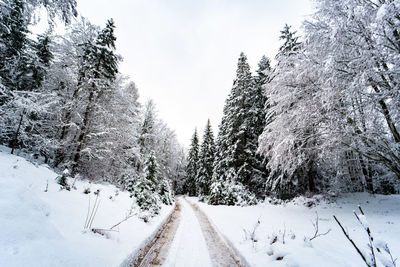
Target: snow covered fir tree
[205, 162]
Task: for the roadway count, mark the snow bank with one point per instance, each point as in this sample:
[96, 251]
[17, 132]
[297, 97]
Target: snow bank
[41, 228]
[282, 238]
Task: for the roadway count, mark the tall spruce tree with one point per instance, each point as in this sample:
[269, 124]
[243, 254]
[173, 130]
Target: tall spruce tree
[236, 158]
[206, 161]
[192, 166]
[291, 43]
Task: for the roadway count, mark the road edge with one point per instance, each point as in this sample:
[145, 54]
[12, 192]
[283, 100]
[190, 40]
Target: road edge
[134, 258]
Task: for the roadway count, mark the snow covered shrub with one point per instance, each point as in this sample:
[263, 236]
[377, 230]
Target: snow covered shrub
[230, 193]
[128, 181]
[63, 180]
[146, 197]
[165, 192]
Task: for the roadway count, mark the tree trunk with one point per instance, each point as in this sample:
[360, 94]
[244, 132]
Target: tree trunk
[311, 176]
[388, 118]
[367, 174]
[60, 156]
[15, 141]
[82, 135]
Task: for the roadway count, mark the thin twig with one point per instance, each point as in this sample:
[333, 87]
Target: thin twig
[87, 215]
[94, 214]
[127, 217]
[316, 227]
[93, 209]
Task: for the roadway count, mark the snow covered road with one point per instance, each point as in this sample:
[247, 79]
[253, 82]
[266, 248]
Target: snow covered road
[189, 247]
[189, 240]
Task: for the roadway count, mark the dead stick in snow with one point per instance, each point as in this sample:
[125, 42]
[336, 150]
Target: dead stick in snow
[87, 215]
[371, 239]
[316, 228]
[351, 241]
[127, 217]
[95, 212]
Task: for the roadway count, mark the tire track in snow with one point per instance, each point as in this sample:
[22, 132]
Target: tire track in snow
[156, 250]
[221, 255]
[186, 239]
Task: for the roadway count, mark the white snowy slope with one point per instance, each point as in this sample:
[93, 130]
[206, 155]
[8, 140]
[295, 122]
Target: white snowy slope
[41, 228]
[189, 247]
[290, 223]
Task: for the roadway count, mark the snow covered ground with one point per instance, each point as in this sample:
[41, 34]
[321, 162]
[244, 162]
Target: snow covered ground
[279, 238]
[41, 228]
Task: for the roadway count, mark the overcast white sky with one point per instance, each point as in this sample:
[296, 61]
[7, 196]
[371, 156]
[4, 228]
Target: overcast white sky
[183, 54]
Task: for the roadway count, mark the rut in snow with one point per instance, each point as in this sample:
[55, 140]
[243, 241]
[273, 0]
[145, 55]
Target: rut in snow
[187, 239]
[156, 250]
[220, 253]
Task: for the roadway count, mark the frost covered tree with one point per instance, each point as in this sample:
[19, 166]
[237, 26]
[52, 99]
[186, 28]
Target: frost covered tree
[192, 164]
[65, 77]
[205, 162]
[360, 66]
[288, 139]
[145, 188]
[64, 9]
[147, 135]
[99, 69]
[63, 101]
[22, 70]
[334, 103]
[236, 159]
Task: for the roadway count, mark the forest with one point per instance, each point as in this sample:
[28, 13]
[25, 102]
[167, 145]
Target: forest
[321, 117]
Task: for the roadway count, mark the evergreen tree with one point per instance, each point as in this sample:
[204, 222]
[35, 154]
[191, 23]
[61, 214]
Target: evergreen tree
[146, 197]
[254, 123]
[264, 73]
[291, 43]
[14, 41]
[147, 137]
[205, 163]
[236, 158]
[192, 166]
[151, 171]
[42, 48]
[40, 60]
